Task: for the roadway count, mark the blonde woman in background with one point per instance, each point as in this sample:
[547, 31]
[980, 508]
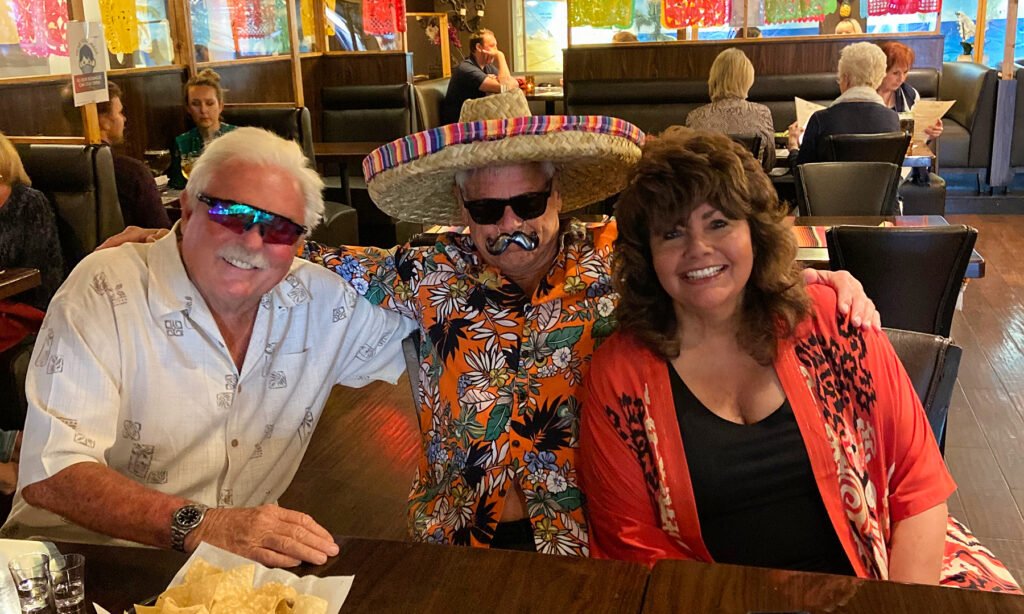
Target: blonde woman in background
[204, 101]
[730, 112]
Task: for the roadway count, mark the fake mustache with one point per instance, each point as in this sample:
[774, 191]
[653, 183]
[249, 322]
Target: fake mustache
[498, 245]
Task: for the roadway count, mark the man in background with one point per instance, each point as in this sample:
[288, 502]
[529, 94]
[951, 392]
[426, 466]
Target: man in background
[136, 190]
[484, 72]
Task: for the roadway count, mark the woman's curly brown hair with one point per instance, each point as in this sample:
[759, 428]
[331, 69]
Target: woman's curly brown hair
[681, 170]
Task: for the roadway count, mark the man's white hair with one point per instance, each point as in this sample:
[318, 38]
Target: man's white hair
[462, 176]
[259, 147]
[862, 64]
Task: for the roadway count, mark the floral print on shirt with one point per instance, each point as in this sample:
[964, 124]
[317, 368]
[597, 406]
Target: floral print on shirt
[499, 373]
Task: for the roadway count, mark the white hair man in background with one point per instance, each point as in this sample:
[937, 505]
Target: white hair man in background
[175, 384]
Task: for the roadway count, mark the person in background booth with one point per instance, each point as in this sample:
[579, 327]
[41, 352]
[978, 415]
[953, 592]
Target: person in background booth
[484, 72]
[137, 192]
[28, 228]
[896, 93]
[175, 385]
[729, 82]
[848, 26]
[858, 110]
[28, 239]
[813, 454]
[204, 101]
[624, 36]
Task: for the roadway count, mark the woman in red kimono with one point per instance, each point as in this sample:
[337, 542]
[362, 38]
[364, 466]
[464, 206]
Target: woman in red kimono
[737, 416]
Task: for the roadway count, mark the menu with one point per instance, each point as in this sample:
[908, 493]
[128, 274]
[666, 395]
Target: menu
[926, 113]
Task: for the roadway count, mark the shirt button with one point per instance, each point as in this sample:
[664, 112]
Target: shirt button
[234, 443]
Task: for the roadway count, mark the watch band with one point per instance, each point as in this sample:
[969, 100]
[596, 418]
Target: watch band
[185, 520]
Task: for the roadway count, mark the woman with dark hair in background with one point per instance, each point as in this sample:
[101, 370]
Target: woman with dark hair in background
[204, 101]
[738, 416]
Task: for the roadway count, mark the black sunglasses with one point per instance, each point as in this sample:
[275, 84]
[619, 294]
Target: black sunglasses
[526, 206]
[240, 217]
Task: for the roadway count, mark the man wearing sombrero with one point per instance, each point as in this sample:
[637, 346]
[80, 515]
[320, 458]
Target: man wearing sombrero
[509, 314]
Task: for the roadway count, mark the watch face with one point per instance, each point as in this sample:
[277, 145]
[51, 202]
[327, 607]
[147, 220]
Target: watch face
[188, 516]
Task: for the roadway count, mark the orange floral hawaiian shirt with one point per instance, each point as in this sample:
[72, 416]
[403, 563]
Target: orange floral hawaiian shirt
[499, 373]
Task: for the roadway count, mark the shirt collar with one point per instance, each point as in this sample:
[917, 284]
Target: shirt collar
[861, 93]
[171, 290]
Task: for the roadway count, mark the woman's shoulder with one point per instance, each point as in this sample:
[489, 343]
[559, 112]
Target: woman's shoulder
[824, 310]
[621, 351]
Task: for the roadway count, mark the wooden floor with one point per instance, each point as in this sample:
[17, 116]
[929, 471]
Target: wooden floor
[357, 473]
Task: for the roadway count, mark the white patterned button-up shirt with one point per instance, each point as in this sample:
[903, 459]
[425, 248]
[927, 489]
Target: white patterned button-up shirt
[130, 370]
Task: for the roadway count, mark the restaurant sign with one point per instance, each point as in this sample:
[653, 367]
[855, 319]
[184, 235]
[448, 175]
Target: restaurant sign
[88, 51]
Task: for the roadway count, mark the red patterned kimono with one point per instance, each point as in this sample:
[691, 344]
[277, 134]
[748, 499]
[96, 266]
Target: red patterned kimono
[872, 452]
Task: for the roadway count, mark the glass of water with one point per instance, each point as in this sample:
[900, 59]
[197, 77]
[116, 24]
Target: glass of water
[31, 573]
[67, 577]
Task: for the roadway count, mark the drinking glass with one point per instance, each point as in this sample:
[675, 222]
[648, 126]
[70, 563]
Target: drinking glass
[158, 160]
[31, 573]
[67, 577]
[531, 84]
[186, 165]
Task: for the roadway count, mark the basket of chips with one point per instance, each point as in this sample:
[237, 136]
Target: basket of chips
[214, 581]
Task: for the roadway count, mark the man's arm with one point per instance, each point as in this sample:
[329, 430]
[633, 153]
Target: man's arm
[98, 498]
[493, 84]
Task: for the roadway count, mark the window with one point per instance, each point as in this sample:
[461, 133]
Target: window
[233, 29]
[33, 35]
[344, 23]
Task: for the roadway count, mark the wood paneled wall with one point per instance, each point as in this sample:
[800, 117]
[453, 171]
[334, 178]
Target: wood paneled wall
[154, 101]
[692, 59]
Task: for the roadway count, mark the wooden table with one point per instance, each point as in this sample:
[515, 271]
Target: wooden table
[344, 153]
[549, 95]
[15, 281]
[392, 576]
[689, 586]
[810, 236]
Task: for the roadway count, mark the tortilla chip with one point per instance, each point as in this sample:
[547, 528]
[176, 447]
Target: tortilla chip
[308, 604]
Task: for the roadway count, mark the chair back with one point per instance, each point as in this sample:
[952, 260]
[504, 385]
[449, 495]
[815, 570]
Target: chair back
[429, 96]
[367, 112]
[289, 123]
[750, 141]
[932, 362]
[79, 182]
[913, 275]
[847, 188]
[883, 147]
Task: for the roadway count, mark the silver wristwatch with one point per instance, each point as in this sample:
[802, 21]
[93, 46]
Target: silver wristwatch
[185, 519]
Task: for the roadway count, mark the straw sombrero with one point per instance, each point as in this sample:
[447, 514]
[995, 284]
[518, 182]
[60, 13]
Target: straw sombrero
[412, 178]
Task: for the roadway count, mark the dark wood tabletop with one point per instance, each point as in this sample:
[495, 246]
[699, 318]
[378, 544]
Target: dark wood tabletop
[393, 576]
[15, 281]
[689, 586]
[812, 251]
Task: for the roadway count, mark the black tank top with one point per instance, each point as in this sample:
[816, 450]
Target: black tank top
[757, 500]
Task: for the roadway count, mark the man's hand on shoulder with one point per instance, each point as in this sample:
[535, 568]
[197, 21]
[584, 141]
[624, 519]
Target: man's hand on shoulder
[850, 296]
[134, 234]
[268, 534]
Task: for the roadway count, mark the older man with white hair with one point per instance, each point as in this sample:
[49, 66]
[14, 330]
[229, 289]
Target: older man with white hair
[175, 384]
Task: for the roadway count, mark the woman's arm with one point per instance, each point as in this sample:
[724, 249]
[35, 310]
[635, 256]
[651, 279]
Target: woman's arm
[918, 543]
[623, 520]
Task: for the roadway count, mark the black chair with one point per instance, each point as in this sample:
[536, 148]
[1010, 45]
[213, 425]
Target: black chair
[429, 95]
[847, 188]
[292, 123]
[883, 147]
[752, 143]
[924, 194]
[79, 182]
[932, 362]
[340, 224]
[913, 275]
